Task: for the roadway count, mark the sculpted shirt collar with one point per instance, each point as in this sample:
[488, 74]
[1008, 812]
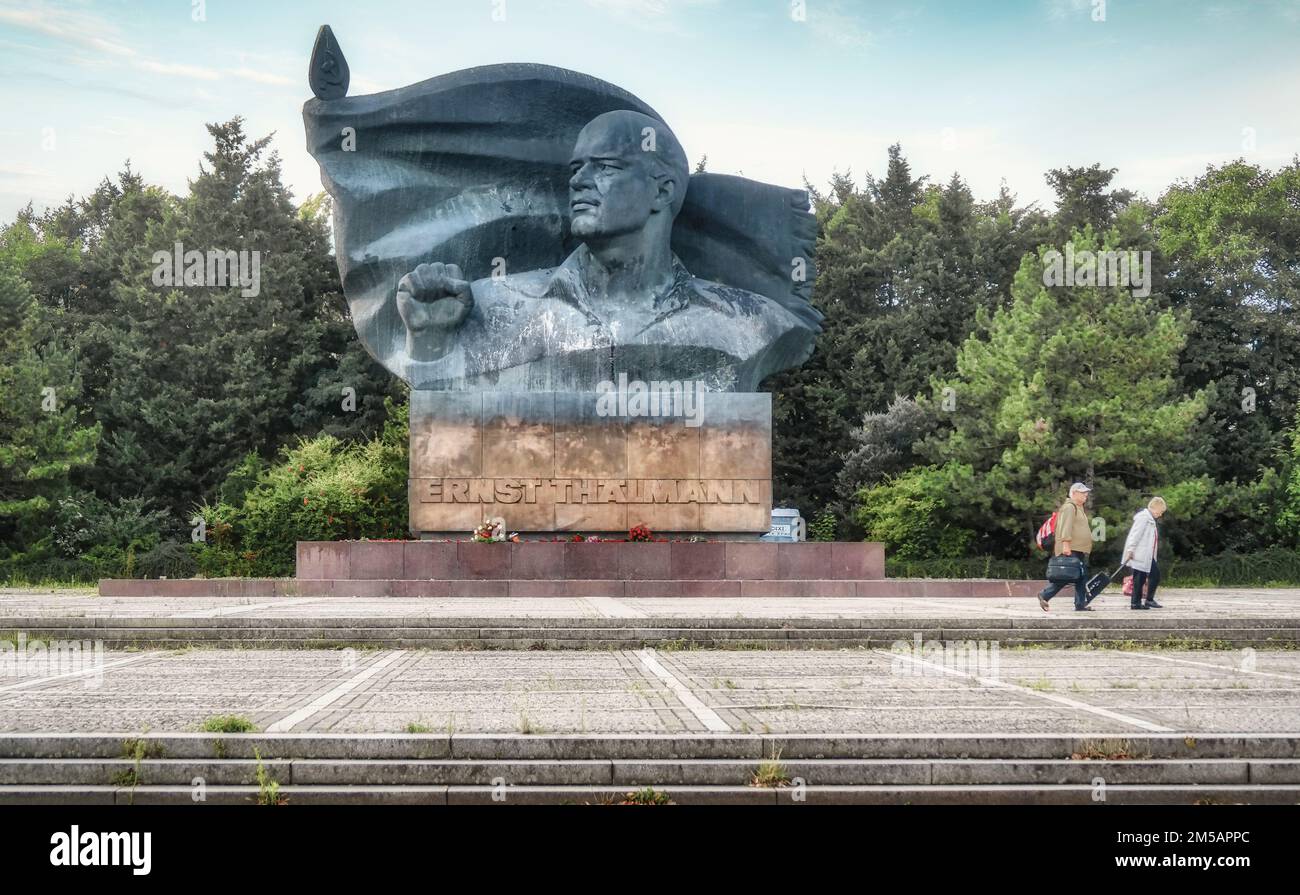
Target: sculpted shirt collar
[566, 285]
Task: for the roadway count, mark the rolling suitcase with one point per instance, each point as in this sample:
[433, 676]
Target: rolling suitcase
[1098, 583]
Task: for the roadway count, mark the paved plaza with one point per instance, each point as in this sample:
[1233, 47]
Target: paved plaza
[969, 688]
[877, 719]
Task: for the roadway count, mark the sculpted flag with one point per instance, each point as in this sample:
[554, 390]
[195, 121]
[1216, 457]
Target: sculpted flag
[472, 167]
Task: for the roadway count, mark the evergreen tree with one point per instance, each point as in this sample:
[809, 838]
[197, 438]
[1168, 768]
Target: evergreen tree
[41, 441]
[1084, 199]
[902, 269]
[1068, 383]
[199, 375]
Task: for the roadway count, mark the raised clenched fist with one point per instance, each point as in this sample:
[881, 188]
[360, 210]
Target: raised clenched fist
[433, 300]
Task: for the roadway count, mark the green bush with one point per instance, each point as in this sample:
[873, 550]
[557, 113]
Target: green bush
[1288, 522]
[321, 490]
[42, 567]
[104, 539]
[1276, 566]
[911, 514]
[170, 559]
[822, 528]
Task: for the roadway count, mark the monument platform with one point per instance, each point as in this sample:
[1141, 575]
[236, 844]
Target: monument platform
[586, 560]
[537, 569]
[559, 569]
[442, 569]
[265, 588]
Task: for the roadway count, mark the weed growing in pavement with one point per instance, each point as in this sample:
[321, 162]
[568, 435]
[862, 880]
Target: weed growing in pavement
[268, 789]
[1042, 685]
[228, 724]
[646, 796]
[771, 773]
[141, 748]
[1109, 750]
[527, 726]
[137, 750]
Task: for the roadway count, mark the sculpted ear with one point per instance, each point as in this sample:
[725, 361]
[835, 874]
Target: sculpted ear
[667, 193]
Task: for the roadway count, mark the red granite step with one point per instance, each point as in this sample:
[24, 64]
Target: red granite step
[589, 587]
[587, 561]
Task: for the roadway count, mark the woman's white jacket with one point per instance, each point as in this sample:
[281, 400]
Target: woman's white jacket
[1140, 547]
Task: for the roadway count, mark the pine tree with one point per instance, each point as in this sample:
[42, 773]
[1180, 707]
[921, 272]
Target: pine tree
[1083, 199]
[1067, 384]
[903, 267]
[41, 441]
[198, 376]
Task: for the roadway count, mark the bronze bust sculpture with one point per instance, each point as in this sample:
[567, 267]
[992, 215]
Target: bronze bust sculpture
[621, 303]
[492, 234]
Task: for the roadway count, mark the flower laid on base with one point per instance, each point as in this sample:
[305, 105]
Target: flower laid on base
[491, 531]
[639, 533]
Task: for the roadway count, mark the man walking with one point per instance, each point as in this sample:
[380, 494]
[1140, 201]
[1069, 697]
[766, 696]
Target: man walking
[1073, 538]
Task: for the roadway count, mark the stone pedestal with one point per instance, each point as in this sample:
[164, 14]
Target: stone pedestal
[590, 462]
[585, 569]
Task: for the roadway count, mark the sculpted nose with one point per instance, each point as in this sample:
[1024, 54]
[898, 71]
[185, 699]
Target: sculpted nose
[580, 178]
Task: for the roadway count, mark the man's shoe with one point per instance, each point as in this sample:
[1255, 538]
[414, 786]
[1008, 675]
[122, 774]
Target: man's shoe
[1139, 606]
[1084, 609]
[1152, 604]
[1042, 601]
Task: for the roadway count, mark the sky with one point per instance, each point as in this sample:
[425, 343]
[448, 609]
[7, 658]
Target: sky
[776, 90]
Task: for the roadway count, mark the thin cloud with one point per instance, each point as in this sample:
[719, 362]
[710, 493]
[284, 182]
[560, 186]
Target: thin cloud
[78, 28]
[832, 24]
[649, 15]
[1059, 10]
[179, 70]
[106, 131]
[11, 169]
[62, 24]
[261, 77]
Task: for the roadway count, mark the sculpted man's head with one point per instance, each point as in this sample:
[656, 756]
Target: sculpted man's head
[628, 173]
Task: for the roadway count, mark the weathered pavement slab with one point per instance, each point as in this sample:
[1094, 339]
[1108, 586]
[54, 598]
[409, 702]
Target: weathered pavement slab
[629, 691]
[853, 690]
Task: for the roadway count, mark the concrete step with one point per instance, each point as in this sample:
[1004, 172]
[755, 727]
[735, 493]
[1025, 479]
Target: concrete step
[680, 795]
[643, 747]
[652, 772]
[701, 633]
[600, 769]
[644, 772]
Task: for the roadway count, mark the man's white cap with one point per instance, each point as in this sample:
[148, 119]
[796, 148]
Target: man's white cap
[1079, 486]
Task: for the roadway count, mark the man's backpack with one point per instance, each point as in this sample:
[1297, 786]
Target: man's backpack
[1047, 534]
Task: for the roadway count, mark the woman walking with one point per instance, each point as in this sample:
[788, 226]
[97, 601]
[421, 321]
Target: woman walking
[1140, 554]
